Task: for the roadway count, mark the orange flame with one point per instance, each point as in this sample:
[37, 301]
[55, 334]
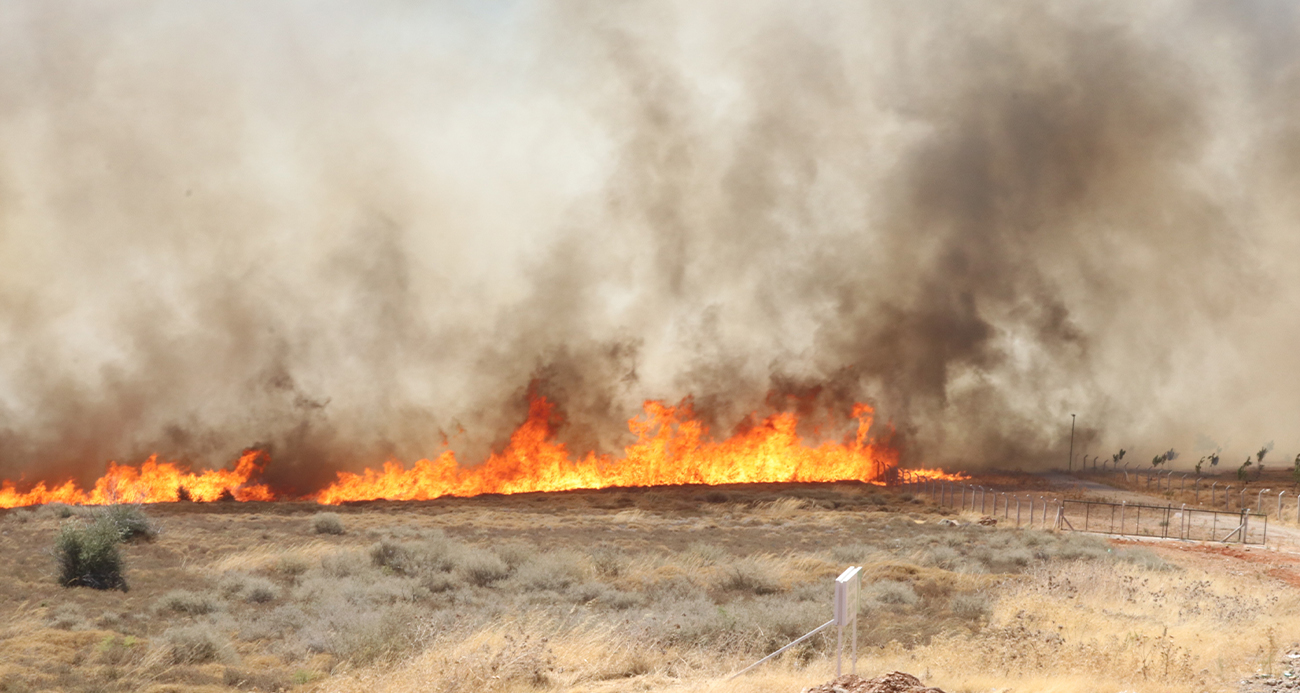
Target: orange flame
[671, 448]
[151, 482]
[936, 474]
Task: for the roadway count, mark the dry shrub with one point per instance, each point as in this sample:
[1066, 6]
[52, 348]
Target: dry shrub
[187, 602]
[67, 616]
[482, 568]
[756, 575]
[195, 644]
[327, 523]
[554, 570]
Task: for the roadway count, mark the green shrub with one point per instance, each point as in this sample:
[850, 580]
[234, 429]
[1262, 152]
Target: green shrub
[130, 521]
[88, 556]
[327, 523]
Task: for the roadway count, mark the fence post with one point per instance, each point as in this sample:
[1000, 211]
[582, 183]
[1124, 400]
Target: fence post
[1259, 500]
[1031, 511]
[1017, 511]
[1123, 508]
[1212, 489]
[1227, 498]
[1182, 524]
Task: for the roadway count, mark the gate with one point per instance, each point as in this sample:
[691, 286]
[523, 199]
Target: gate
[1164, 521]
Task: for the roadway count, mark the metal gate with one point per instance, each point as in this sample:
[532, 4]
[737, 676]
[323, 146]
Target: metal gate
[1165, 521]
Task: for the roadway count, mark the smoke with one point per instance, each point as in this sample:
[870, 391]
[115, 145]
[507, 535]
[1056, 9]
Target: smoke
[349, 231]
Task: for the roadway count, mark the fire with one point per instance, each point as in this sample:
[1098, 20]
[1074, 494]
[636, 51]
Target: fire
[939, 474]
[672, 447]
[151, 482]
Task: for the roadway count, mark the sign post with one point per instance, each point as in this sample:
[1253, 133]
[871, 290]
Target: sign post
[847, 588]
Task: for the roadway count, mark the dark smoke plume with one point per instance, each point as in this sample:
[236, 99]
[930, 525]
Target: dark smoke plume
[358, 230]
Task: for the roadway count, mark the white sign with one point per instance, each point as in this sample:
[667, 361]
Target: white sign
[847, 586]
[846, 596]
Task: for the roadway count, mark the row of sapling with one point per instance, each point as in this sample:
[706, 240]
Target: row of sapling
[1258, 462]
[1214, 461]
[1164, 457]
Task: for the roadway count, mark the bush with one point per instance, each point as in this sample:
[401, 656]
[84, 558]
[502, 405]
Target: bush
[260, 590]
[551, 571]
[327, 523]
[482, 568]
[196, 644]
[751, 575]
[891, 592]
[186, 602]
[970, 606]
[130, 521]
[88, 557]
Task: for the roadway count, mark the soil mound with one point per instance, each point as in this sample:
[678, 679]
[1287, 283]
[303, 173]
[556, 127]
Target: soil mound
[893, 682]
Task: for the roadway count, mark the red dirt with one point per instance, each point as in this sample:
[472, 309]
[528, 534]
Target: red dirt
[1278, 565]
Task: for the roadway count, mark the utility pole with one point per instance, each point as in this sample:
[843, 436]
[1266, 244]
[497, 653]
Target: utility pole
[1070, 464]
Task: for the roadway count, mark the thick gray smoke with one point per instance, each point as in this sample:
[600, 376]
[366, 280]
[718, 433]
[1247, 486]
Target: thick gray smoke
[353, 230]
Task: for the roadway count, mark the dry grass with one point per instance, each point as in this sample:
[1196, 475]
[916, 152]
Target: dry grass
[599, 591]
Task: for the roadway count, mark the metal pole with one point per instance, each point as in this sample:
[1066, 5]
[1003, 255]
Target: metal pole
[1031, 511]
[1071, 462]
[1227, 498]
[1017, 511]
[1259, 500]
[1212, 488]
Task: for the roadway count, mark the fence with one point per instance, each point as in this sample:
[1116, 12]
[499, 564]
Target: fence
[1165, 521]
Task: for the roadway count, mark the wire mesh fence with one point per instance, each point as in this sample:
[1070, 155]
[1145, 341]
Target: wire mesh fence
[1129, 519]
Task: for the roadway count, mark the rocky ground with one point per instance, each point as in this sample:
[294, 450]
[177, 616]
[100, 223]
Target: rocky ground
[1287, 680]
[893, 682]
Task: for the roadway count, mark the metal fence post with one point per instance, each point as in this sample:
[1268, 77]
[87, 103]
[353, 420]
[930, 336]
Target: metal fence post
[1212, 489]
[1259, 500]
[1227, 497]
[1017, 511]
[1031, 511]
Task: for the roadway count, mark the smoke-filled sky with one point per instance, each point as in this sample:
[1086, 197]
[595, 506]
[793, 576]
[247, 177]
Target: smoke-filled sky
[350, 230]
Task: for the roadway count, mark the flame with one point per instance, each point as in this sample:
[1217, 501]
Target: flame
[938, 474]
[671, 448]
[151, 482]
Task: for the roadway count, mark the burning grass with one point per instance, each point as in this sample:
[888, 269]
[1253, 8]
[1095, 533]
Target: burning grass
[603, 591]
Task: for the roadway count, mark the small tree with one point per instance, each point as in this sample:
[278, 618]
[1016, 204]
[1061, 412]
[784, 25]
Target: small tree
[1295, 471]
[1241, 471]
[1198, 466]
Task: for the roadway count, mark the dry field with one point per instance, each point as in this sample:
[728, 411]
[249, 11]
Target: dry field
[629, 590]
